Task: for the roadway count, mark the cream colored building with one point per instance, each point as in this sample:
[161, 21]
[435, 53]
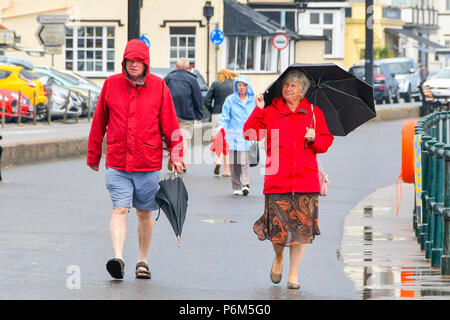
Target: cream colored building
[96, 36]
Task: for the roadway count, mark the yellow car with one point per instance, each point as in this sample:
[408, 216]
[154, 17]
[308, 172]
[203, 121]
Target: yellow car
[16, 78]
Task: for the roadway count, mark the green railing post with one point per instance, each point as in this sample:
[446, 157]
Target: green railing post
[431, 189]
[425, 178]
[436, 251]
[445, 258]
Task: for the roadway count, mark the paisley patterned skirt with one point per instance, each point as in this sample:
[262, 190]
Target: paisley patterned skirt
[289, 219]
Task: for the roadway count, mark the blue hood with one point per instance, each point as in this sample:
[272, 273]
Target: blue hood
[246, 80]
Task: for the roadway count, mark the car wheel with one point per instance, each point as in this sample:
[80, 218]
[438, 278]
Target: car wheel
[408, 95]
[378, 101]
[417, 98]
[41, 113]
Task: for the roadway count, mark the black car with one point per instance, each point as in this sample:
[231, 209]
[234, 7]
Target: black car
[162, 72]
[385, 86]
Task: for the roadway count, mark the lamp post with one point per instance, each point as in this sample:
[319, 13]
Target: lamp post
[208, 12]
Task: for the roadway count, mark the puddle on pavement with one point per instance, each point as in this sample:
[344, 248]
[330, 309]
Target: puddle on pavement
[387, 265]
[218, 221]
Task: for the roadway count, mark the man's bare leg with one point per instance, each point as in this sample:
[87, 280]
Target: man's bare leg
[118, 230]
[145, 232]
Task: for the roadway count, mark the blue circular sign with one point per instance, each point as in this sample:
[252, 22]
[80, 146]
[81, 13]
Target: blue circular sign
[217, 36]
[146, 40]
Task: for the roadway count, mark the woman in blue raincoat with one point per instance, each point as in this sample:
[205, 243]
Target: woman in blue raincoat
[235, 112]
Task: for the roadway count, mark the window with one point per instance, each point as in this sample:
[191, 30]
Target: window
[241, 53]
[447, 5]
[328, 43]
[182, 44]
[327, 18]
[314, 18]
[24, 74]
[266, 57]
[90, 49]
[4, 74]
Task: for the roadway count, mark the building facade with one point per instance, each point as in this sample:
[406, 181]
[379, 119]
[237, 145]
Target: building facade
[96, 36]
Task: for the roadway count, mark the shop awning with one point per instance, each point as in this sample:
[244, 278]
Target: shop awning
[410, 34]
[241, 20]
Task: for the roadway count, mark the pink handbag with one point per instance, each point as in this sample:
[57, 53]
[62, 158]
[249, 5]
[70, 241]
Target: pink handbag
[323, 177]
[323, 180]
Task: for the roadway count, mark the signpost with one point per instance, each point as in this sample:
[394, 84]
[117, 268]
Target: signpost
[280, 41]
[51, 32]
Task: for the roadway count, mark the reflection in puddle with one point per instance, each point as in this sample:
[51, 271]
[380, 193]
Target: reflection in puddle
[384, 260]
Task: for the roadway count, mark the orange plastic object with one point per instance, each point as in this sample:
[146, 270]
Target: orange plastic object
[408, 132]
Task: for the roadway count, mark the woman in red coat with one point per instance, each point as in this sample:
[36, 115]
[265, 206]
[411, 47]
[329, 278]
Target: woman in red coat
[291, 184]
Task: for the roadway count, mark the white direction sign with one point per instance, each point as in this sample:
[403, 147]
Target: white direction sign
[52, 18]
[280, 41]
[51, 34]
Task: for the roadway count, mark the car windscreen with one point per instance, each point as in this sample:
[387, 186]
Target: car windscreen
[67, 77]
[27, 75]
[398, 67]
[443, 74]
[360, 72]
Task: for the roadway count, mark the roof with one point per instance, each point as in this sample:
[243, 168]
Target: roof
[241, 20]
[410, 34]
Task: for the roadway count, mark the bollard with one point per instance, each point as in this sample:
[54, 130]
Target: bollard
[425, 178]
[3, 110]
[1, 151]
[49, 104]
[429, 198]
[19, 108]
[436, 250]
[34, 107]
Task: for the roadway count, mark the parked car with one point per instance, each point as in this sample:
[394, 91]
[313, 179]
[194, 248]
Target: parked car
[58, 100]
[162, 72]
[439, 84]
[407, 75]
[16, 78]
[385, 86]
[18, 61]
[11, 105]
[72, 83]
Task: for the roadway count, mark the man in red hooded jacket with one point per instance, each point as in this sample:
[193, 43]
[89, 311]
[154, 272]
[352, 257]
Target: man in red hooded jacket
[135, 109]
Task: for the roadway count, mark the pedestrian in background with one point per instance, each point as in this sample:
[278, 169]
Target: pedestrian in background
[220, 89]
[187, 98]
[290, 216]
[423, 74]
[135, 109]
[235, 112]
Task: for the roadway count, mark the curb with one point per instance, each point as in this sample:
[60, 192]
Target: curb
[396, 113]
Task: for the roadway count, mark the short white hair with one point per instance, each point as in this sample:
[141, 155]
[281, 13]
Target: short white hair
[183, 62]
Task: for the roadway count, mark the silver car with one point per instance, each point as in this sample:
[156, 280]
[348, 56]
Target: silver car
[407, 75]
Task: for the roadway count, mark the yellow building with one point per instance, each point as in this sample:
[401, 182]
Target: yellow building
[97, 33]
[355, 32]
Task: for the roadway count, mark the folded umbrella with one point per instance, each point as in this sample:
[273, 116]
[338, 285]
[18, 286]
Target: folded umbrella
[172, 198]
[345, 101]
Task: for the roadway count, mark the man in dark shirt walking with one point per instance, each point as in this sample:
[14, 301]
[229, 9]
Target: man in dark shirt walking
[187, 99]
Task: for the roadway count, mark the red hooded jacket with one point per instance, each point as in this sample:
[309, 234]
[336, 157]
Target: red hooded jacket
[291, 164]
[135, 119]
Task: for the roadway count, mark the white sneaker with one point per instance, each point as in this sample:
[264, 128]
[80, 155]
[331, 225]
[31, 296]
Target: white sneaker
[245, 190]
[238, 192]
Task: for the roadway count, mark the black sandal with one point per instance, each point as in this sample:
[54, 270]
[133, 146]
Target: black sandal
[116, 268]
[143, 274]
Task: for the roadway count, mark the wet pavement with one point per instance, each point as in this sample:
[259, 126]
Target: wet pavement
[55, 225]
[381, 254]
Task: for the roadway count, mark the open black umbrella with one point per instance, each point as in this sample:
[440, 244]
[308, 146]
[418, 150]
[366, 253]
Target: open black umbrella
[345, 101]
[172, 198]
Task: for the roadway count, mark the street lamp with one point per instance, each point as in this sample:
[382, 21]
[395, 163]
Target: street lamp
[208, 12]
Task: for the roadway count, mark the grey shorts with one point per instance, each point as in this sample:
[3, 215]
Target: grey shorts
[136, 188]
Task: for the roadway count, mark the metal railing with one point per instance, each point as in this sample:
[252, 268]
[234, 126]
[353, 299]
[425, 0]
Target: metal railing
[431, 220]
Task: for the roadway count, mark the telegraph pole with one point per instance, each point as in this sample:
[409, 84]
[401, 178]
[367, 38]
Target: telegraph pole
[369, 42]
[134, 17]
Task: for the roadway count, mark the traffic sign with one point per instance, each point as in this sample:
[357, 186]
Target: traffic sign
[217, 36]
[51, 34]
[280, 41]
[53, 49]
[146, 40]
[7, 36]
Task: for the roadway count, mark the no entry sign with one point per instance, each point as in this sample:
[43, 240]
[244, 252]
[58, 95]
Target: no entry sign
[280, 41]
